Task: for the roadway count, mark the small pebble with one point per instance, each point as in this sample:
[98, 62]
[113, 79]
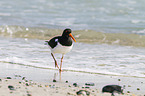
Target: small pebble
[23, 78]
[27, 91]
[119, 79]
[66, 81]
[11, 92]
[68, 93]
[39, 85]
[29, 95]
[46, 85]
[138, 88]
[90, 84]
[87, 87]
[129, 85]
[8, 78]
[75, 84]
[27, 84]
[17, 76]
[54, 80]
[11, 87]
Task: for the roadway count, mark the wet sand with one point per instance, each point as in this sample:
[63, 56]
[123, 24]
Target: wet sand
[44, 82]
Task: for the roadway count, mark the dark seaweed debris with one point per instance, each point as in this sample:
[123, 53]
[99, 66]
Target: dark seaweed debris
[112, 89]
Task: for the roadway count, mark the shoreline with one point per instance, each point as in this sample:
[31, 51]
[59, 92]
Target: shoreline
[43, 77]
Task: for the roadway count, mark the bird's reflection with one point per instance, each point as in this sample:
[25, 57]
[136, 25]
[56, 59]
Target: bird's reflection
[57, 75]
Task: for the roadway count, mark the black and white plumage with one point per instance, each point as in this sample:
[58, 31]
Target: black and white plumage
[61, 44]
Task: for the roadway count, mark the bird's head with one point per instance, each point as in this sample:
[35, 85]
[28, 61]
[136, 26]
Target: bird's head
[67, 33]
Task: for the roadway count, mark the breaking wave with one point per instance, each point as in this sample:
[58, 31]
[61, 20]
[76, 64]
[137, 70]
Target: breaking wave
[88, 36]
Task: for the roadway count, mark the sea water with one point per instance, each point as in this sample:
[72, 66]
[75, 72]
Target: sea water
[115, 49]
[100, 15]
[101, 59]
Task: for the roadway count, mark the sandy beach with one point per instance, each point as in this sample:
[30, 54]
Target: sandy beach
[29, 81]
[24, 87]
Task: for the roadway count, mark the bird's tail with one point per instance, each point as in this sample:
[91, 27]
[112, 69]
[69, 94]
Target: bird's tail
[46, 43]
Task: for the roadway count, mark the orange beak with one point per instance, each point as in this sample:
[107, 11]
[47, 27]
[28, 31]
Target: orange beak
[72, 37]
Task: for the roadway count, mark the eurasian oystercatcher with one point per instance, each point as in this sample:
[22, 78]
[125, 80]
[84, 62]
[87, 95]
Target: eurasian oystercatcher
[61, 44]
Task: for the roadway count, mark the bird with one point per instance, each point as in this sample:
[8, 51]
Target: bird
[61, 44]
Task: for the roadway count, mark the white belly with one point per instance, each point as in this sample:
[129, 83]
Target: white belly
[61, 49]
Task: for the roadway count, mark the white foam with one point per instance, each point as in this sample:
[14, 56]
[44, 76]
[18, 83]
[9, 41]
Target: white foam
[135, 21]
[5, 14]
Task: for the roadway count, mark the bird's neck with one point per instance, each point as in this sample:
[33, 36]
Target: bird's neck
[66, 40]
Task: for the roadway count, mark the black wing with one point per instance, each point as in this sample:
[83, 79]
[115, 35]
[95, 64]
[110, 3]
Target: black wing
[53, 42]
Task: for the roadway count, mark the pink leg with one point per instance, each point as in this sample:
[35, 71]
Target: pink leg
[56, 65]
[61, 64]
